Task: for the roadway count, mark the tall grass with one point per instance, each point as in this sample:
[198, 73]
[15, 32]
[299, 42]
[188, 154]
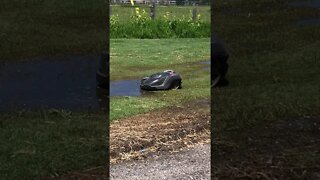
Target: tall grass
[141, 26]
[160, 29]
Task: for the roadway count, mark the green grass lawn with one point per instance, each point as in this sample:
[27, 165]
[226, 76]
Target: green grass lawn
[135, 58]
[274, 85]
[51, 28]
[46, 143]
[274, 64]
[125, 12]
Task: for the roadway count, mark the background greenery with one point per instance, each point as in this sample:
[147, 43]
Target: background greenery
[170, 21]
[125, 12]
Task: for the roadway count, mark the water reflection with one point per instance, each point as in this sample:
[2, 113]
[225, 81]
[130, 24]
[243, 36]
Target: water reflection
[64, 83]
[127, 88]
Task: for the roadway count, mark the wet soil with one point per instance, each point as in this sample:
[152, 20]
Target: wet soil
[288, 149]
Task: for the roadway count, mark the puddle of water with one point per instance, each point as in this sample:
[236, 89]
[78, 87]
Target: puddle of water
[206, 67]
[207, 62]
[309, 4]
[308, 22]
[127, 88]
[68, 83]
[132, 87]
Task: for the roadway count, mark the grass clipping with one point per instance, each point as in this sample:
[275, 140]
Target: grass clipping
[170, 129]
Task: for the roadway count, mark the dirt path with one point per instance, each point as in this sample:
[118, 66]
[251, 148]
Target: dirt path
[193, 163]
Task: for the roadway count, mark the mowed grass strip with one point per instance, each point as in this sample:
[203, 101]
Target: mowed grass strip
[134, 58]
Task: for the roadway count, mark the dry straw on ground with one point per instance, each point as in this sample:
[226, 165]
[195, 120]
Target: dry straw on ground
[170, 129]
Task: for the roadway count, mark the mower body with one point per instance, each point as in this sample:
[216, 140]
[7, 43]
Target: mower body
[161, 81]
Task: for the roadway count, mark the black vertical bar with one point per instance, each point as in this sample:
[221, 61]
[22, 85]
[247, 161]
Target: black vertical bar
[107, 57]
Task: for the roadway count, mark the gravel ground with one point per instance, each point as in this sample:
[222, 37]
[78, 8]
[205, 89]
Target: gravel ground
[193, 163]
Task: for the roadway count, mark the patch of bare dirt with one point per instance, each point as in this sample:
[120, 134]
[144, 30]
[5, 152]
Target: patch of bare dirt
[167, 130]
[288, 149]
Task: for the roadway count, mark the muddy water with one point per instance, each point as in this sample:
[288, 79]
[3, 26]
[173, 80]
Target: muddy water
[65, 83]
[128, 88]
[125, 88]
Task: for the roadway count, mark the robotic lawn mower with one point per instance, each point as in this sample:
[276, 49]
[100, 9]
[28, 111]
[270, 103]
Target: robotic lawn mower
[165, 80]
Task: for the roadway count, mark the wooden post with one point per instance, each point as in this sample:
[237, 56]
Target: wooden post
[153, 10]
[194, 12]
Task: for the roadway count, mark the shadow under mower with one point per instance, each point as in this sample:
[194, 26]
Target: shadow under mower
[165, 80]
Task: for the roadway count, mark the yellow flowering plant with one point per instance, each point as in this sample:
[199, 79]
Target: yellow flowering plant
[140, 18]
[114, 22]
